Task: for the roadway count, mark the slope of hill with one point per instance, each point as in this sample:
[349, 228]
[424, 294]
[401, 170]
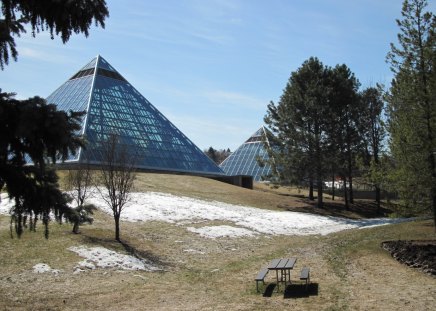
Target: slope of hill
[188, 270]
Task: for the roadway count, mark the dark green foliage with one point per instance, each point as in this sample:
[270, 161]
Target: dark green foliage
[344, 120]
[373, 134]
[299, 127]
[80, 215]
[412, 107]
[315, 127]
[32, 131]
[61, 18]
[217, 156]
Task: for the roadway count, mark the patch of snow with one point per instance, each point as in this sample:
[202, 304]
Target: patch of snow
[85, 264]
[104, 258]
[154, 206]
[185, 211]
[221, 231]
[44, 268]
[5, 204]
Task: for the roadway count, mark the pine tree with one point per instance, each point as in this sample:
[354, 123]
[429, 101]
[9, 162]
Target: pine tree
[373, 133]
[35, 133]
[344, 119]
[412, 107]
[298, 122]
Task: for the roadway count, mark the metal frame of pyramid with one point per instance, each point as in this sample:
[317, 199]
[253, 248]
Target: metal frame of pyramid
[243, 161]
[115, 106]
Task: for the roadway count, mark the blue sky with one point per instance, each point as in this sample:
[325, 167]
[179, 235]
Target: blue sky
[212, 66]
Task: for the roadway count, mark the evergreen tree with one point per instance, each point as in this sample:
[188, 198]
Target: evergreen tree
[35, 133]
[412, 107]
[344, 119]
[218, 156]
[58, 17]
[373, 133]
[212, 154]
[299, 127]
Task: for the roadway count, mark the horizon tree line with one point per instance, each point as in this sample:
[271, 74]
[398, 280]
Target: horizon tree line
[324, 125]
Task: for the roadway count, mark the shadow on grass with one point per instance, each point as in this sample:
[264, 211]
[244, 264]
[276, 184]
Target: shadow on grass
[269, 290]
[131, 250]
[293, 290]
[360, 209]
[299, 290]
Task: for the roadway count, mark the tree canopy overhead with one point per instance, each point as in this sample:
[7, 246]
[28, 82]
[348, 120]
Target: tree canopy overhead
[60, 18]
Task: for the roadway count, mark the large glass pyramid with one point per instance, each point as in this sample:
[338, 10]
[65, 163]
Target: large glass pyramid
[244, 161]
[115, 106]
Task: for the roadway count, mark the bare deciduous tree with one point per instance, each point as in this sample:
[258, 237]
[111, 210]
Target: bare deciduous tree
[117, 176]
[79, 182]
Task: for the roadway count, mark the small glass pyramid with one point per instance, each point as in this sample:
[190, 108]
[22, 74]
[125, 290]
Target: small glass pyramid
[244, 160]
[115, 106]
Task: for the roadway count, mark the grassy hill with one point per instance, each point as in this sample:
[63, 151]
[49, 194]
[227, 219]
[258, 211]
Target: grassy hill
[350, 271]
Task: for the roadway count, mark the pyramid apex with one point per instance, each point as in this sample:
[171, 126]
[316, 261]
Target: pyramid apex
[245, 159]
[114, 105]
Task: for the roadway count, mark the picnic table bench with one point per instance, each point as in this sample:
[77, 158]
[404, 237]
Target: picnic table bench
[305, 275]
[261, 277]
[282, 265]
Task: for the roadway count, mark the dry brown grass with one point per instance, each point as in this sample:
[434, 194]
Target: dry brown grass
[349, 269]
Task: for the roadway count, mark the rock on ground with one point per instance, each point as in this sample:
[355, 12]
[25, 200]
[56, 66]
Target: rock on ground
[414, 253]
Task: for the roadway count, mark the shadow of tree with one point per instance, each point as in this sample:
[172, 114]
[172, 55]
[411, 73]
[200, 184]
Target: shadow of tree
[142, 254]
[131, 250]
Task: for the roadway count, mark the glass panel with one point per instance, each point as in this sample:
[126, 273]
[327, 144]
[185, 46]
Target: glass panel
[243, 161]
[117, 107]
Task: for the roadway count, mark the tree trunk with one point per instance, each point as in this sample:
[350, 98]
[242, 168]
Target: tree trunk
[377, 198]
[319, 186]
[347, 206]
[434, 211]
[333, 187]
[117, 227]
[311, 190]
[76, 227]
[350, 178]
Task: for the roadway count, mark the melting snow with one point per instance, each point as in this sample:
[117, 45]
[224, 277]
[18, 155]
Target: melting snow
[44, 268]
[221, 231]
[246, 221]
[5, 203]
[104, 258]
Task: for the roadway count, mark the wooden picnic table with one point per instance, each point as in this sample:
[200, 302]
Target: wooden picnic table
[284, 266]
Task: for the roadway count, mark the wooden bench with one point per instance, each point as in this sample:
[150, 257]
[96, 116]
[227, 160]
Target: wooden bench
[305, 275]
[261, 277]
